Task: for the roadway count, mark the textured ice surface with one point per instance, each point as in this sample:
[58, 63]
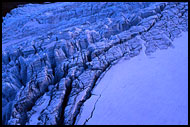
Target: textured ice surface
[144, 90]
[53, 55]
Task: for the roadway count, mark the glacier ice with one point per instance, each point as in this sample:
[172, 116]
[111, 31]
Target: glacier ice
[54, 54]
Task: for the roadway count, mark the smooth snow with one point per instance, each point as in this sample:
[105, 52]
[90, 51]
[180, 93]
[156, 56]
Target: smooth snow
[143, 90]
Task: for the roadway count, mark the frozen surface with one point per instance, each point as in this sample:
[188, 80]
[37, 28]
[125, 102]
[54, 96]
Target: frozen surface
[143, 90]
[39, 109]
[54, 55]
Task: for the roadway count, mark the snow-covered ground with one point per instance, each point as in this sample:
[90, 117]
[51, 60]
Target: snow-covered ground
[143, 90]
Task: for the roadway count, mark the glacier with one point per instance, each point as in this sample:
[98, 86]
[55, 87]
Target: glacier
[54, 56]
[142, 91]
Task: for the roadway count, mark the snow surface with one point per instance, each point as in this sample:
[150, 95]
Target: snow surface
[143, 90]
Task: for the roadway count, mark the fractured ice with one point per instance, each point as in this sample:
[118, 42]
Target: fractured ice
[54, 54]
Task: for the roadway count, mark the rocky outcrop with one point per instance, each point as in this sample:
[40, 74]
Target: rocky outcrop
[53, 54]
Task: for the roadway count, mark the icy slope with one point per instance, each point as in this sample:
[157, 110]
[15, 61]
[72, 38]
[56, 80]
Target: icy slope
[143, 90]
[54, 54]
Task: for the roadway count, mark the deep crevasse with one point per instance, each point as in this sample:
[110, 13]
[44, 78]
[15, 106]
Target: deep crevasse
[53, 55]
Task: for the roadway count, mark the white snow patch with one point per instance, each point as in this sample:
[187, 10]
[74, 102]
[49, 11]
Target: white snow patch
[144, 90]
